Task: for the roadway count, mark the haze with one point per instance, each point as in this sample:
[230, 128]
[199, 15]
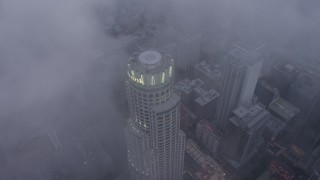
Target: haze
[62, 72]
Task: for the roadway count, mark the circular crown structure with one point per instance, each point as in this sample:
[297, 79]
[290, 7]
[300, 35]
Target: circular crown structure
[150, 69]
[150, 57]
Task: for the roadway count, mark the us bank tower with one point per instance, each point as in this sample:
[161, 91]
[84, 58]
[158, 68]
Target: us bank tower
[155, 142]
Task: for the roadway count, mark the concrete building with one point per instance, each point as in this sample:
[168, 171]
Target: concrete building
[243, 135]
[211, 75]
[283, 74]
[196, 97]
[208, 136]
[288, 114]
[188, 51]
[265, 92]
[305, 94]
[282, 169]
[239, 81]
[311, 162]
[207, 168]
[283, 109]
[304, 91]
[185, 88]
[187, 118]
[155, 116]
[206, 103]
[273, 128]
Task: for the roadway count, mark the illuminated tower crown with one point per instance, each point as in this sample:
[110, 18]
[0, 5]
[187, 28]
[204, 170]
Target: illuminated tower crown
[151, 69]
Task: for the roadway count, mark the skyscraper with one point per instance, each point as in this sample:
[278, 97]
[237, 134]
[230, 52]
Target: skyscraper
[305, 94]
[154, 140]
[283, 74]
[188, 51]
[239, 81]
[243, 134]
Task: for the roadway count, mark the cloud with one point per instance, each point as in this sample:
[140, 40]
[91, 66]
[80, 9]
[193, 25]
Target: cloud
[52, 79]
[50, 50]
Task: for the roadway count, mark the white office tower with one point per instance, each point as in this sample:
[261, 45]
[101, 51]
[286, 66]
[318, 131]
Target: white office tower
[154, 140]
[240, 78]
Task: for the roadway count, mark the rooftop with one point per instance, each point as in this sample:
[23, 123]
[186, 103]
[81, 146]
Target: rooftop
[268, 86]
[286, 67]
[245, 53]
[150, 57]
[284, 108]
[211, 72]
[150, 60]
[275, 124]
[205, 96]
[187, 85]
[307, 84]
[192, 149]
[250, 119]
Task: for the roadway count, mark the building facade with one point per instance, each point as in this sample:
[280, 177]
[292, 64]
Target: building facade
[154, 140]
[240, 77]
[211, 75]
[265, 92]
[188, 51]
[305, 94]
[282, 75]
[243, 134]
[209, 136]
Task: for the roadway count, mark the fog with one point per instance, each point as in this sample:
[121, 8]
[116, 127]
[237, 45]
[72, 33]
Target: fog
[55, 80]
[62, 75]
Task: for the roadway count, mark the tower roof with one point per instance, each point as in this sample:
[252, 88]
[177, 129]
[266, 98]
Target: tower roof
[150, 68]
[150, 57]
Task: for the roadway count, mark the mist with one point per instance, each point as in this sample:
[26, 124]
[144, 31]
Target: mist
[62, 74]
[57, 80]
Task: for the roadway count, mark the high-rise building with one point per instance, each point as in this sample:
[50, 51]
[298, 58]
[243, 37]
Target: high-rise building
[273, 128]
[205, 103]
[283, 109]
[243, 134]
[154, 140]
[265, 92]
[208, 135]
[239, 81]
[288, 114]
[305, 94]
[282, 75]
[196, 96]
[185, 88]
[188, 51]
[211, 75]
[187, 117]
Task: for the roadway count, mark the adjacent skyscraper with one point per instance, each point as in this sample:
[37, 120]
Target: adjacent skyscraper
[244, 133]
[239, 81]
[188, 51]
[154, 140]
[305, 94]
